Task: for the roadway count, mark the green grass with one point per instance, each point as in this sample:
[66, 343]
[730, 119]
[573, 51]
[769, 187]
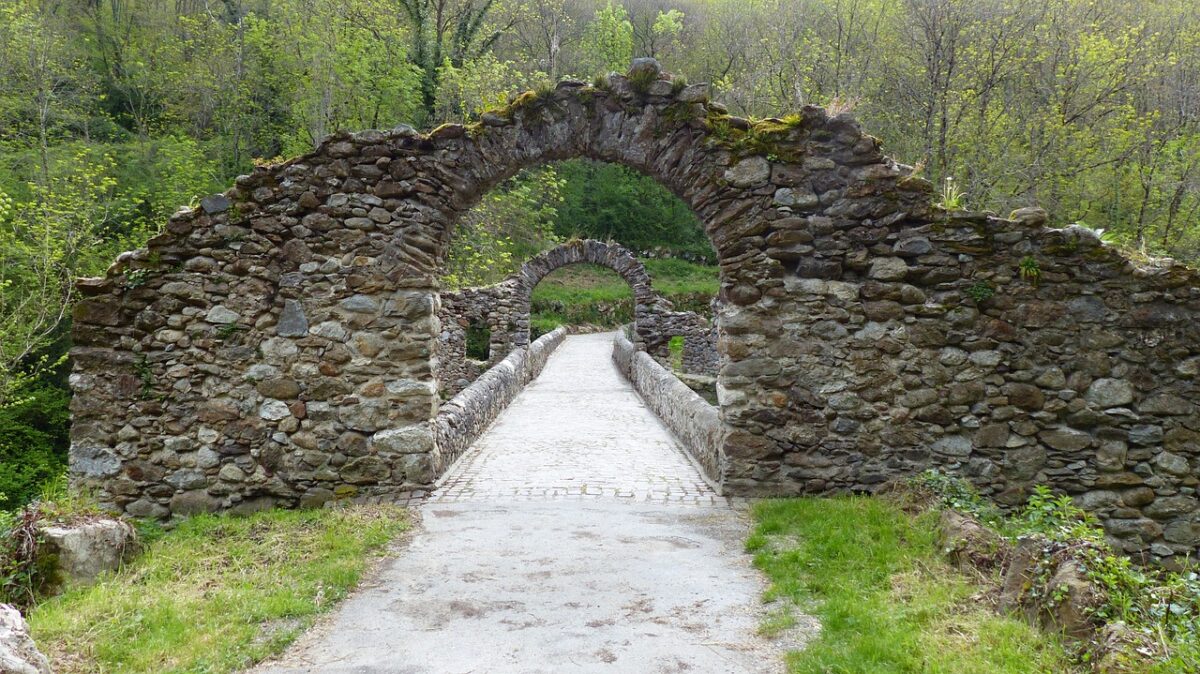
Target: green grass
[886, 601]
[595, 295]
[215, 594]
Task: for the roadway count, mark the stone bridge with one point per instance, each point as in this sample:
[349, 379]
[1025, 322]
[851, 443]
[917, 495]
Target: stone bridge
[278, 344]
[503, 310]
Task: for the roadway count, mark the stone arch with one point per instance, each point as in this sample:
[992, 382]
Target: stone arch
[277, 344]
[647, 303]
[506, 307]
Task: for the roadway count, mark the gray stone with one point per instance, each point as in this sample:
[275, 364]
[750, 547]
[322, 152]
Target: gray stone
[413, 439]
[274, 410]
[187, 478]
[84, 551]
[753, 170]
[216, 203]
[361, 304]
[1166, 404]
[1146, 434]
[1173, 464]
[888, 269]
[1109, 393]
[292, 321]
[194, 502]
[365, 470]
[90, 461]
[953, 445]
[1066, 439]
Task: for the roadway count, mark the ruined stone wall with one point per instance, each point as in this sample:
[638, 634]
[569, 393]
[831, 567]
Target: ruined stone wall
[277, 345]
[494, 307]
[467, 415]
[1012, 354]
[694, 422]
[700, 353]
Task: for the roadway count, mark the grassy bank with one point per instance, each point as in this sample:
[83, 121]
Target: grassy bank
[215, 594]
[589, 294]
[886, 600]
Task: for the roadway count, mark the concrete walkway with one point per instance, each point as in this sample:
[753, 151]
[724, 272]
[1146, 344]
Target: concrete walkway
[575, 536]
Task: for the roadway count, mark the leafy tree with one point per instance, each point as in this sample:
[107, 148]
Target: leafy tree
[510, 224]
[607, 41]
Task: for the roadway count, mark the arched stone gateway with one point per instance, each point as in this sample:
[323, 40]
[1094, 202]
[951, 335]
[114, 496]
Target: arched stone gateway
[504, 308]
[276, 345]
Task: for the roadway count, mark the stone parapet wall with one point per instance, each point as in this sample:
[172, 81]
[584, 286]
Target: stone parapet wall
[467, 415]
[694, 422]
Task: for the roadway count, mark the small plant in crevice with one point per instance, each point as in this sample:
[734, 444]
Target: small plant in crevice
[981, 291]
[951, 197]
[1029, 270]
[23, 572]
[641, 80]
[145, 375]
[228, 330]
[955, 493]
[137, 278]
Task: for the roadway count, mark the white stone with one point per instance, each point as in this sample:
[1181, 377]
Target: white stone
[221, 315]
[748, 172]
[274, 410]
[279, 349]
[18, 653]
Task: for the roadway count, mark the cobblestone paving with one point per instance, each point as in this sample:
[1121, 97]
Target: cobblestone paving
[575, 536]
[579, 431]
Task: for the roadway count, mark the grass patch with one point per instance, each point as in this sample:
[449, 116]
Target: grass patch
[590, 294]
[215, 594]
[885, 599]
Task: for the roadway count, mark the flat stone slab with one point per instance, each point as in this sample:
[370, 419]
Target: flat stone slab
[575, 536]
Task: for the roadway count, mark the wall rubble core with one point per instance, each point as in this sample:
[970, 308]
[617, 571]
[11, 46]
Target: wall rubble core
[278, 344]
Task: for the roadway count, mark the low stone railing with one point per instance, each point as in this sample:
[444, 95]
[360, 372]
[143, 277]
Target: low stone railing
[463, 418]
[694, 422]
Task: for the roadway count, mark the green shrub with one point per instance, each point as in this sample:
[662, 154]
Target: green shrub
[33, 443]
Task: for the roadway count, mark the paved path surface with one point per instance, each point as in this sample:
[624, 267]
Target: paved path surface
[575, 536]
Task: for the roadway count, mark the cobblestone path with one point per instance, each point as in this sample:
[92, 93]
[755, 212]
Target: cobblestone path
[575, 536]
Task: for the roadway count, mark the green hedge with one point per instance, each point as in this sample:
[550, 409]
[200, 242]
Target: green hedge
[33, 443]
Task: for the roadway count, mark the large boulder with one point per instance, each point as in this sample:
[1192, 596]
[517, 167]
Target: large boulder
[18, 653]
[85, 550]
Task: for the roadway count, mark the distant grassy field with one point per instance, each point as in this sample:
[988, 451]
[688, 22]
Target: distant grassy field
[594, 295]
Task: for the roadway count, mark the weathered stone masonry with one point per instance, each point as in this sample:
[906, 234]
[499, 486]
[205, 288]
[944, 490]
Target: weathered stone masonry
[504, 308]
[276, 345]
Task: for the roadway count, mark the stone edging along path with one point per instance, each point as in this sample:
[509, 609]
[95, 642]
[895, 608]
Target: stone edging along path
[694, 422]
